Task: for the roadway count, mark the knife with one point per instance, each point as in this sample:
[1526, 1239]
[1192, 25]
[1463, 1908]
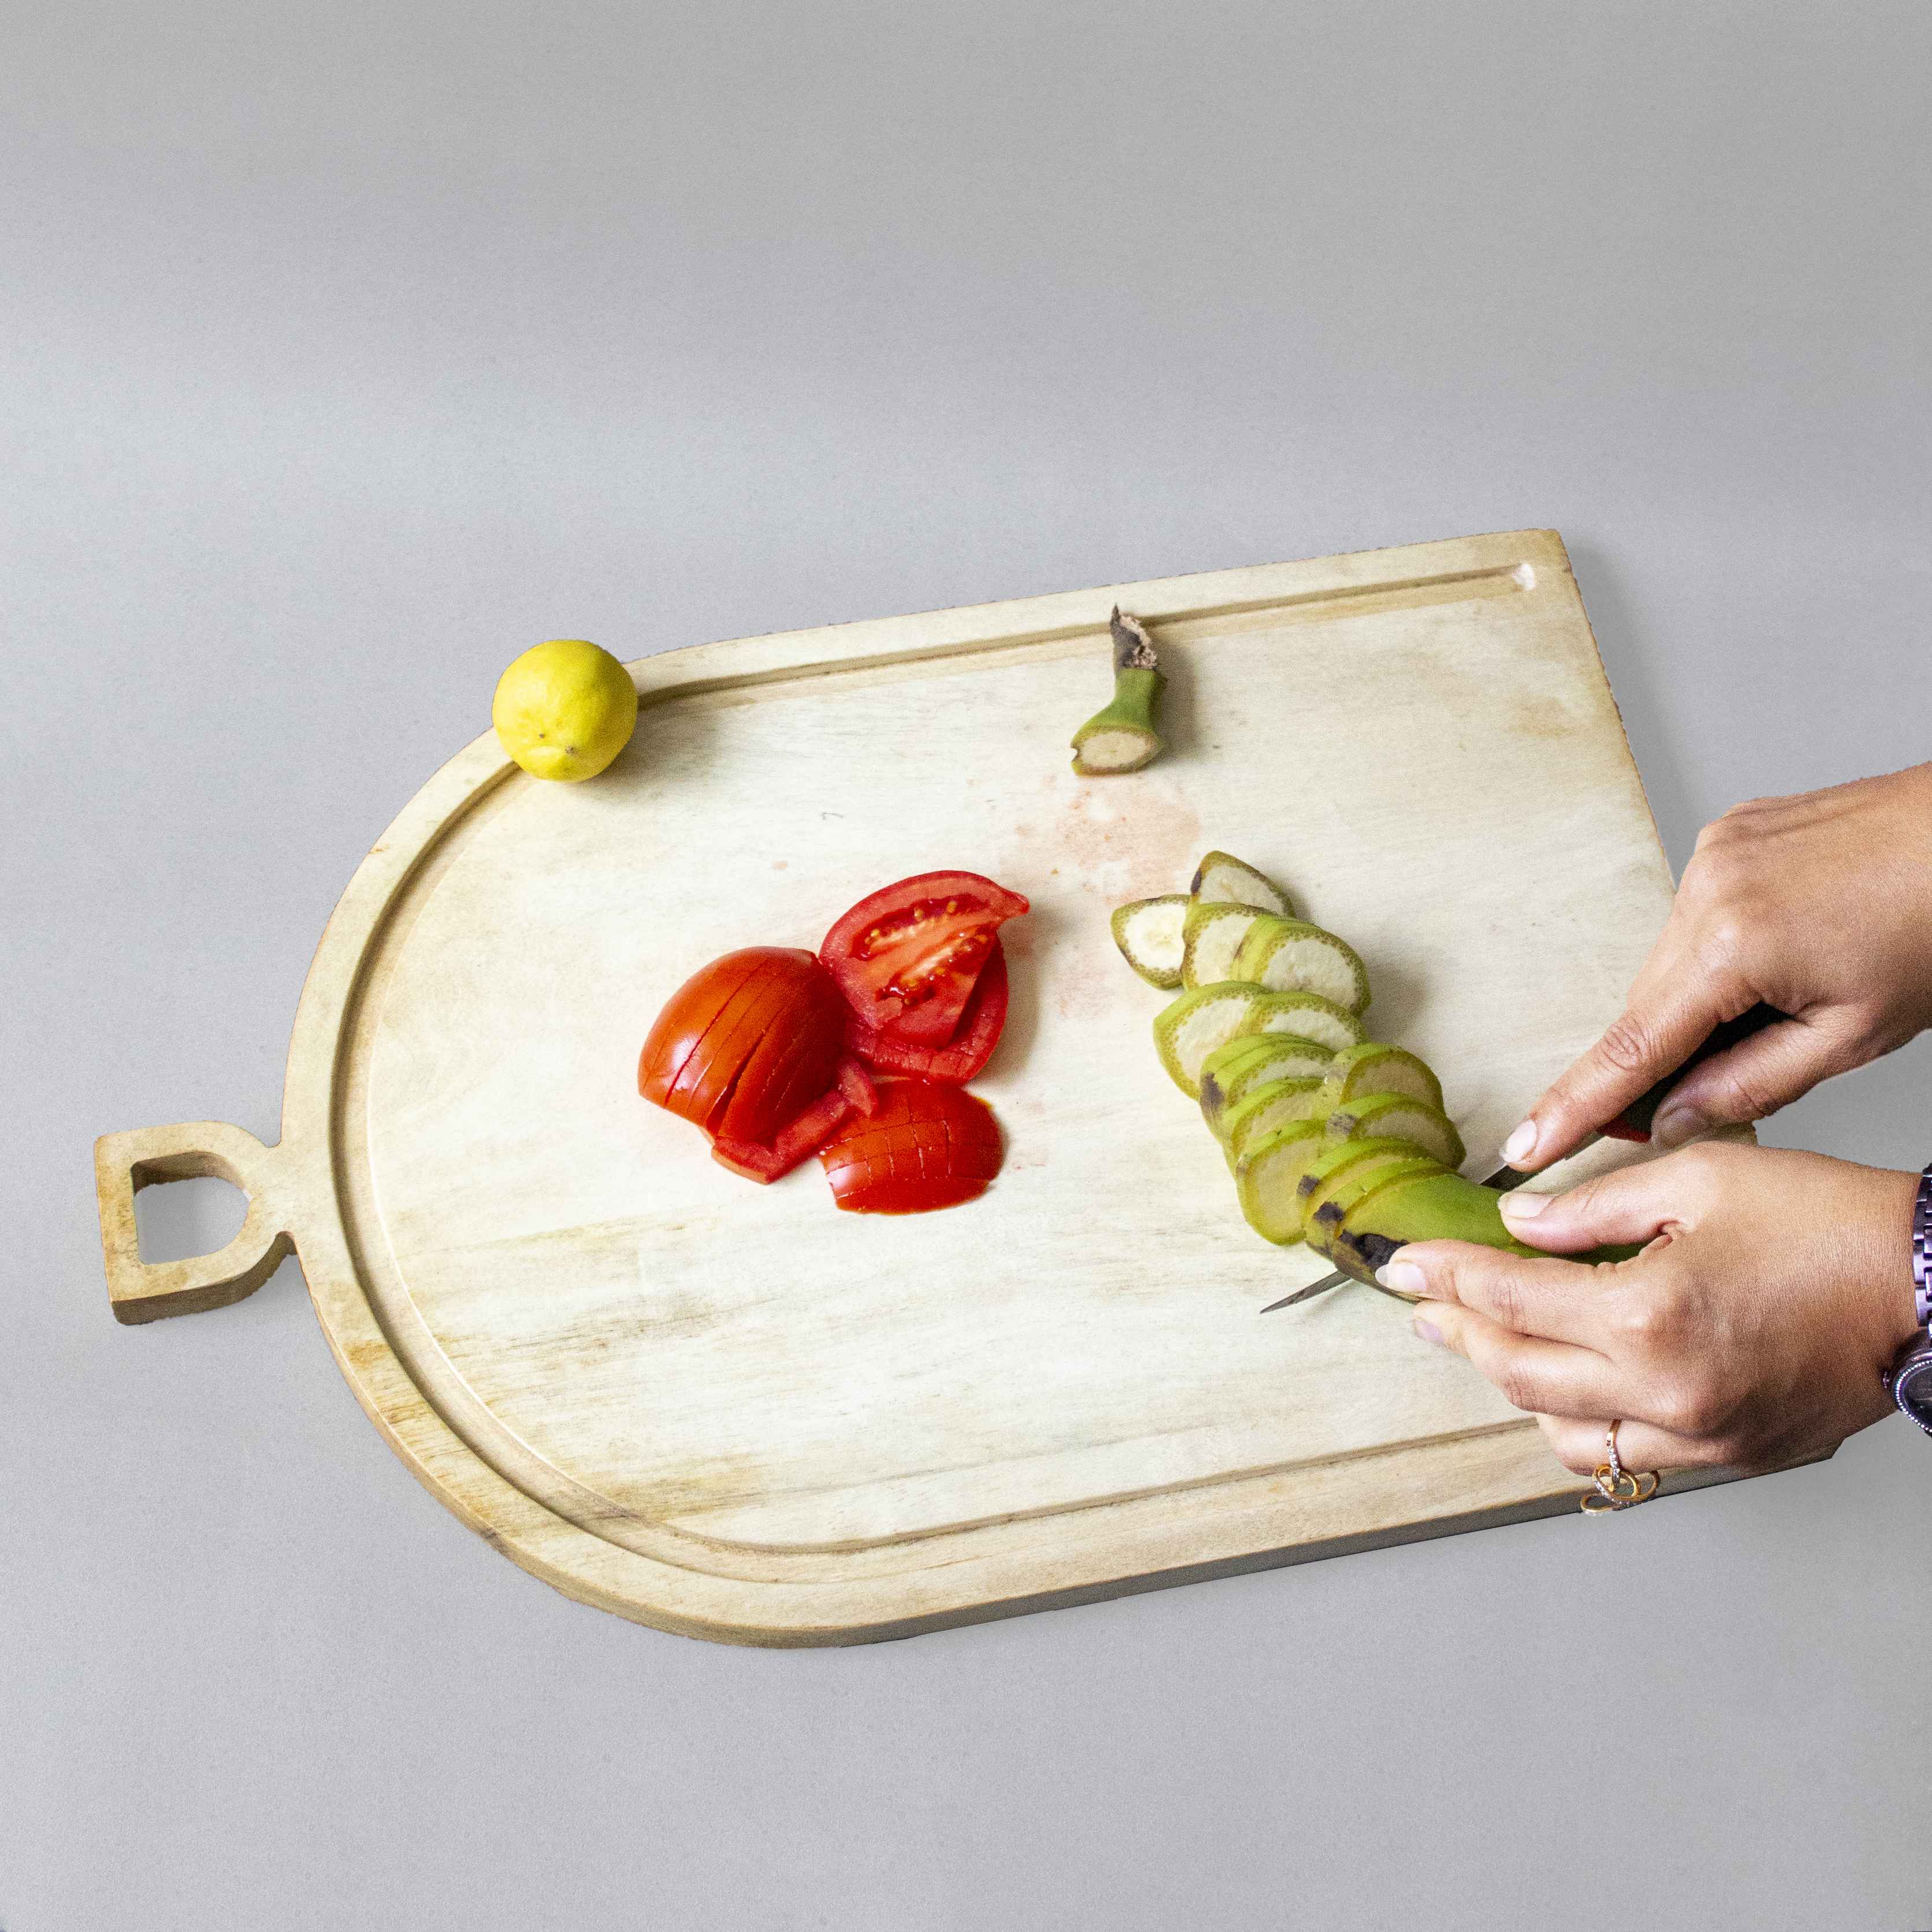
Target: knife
[1632, 1124]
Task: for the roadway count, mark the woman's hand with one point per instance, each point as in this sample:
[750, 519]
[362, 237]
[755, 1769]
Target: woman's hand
[1753, 1330]
[1819, 905]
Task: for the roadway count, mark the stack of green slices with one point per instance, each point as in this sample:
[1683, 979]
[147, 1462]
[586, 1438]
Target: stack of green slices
[1333, 1138]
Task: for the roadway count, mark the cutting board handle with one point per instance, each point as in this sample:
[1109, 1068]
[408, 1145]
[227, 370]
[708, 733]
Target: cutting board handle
[125, 1163]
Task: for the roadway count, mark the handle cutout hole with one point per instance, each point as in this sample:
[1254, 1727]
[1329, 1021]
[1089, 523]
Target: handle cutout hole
[182, 1220]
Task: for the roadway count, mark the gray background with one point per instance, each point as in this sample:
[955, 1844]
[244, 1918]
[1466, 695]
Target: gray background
[350, 350]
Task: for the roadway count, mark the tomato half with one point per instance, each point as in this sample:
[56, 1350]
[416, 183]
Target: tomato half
[907, 957]
[746, 1044]
[971, 1048]
[924, 1147]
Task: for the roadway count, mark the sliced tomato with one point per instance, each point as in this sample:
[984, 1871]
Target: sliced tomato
[691, 1013]
[710, 1076]
[965, 1055]
[907, 957]
[924, 1147]
[756, 1036]
[853, 1097]
[792, 1065]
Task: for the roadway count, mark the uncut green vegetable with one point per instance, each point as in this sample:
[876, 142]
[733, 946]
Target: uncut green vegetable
[1325, 1206]
[1433, 1207]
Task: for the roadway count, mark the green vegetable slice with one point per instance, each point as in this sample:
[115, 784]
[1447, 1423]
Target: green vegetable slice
[1225, 879]
[1211, 936]
[1266, 1177]
[1188, 1029]
[1374, 1067]
[1273, 1104]
[1150, 937]
[1231, 1072]
[1335, 1155]
[1290, 956]
[1402, 1117]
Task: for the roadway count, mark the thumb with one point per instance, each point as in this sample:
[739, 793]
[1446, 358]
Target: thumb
[1756, 1077]
[1629, 1206]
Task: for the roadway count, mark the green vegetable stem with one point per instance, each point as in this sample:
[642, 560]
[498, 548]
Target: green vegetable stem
[1122, 738]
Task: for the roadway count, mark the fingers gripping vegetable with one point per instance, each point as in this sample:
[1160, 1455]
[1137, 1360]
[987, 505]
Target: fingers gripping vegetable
[924, 1147]
[907, 957]
[1757, 1333]
[1122, 737]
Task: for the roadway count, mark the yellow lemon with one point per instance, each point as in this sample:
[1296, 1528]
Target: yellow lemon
[565, 710]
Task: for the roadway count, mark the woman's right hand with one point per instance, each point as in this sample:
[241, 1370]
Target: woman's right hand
[1819, 905]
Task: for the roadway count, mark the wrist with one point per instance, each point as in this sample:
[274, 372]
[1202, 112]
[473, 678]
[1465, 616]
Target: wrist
[1893, 1296]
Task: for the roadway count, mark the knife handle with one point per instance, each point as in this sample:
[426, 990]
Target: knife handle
[1633, 1122]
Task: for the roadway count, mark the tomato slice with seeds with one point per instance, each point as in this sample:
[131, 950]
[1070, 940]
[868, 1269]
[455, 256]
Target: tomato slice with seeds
[924, 1147]
[907, 957]
[965, 1056]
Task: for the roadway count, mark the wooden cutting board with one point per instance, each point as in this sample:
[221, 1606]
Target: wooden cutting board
[734, 1412]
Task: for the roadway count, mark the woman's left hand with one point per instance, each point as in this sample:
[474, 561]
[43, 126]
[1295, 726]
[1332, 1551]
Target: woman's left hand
[1774, 1291]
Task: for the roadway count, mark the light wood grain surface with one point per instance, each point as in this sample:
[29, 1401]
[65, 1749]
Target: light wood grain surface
[734, 1411]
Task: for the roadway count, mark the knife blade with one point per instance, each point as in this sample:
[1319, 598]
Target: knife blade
[1633, 1124]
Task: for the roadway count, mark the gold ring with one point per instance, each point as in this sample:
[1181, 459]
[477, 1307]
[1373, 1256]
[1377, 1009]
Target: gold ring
[1617, 1488]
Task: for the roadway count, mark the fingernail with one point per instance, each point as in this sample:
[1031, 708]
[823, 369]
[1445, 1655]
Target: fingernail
[1676, 1124]
[1522, 1205]
[1427, 1330]
[1404, 1277]
[1521, 1144]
